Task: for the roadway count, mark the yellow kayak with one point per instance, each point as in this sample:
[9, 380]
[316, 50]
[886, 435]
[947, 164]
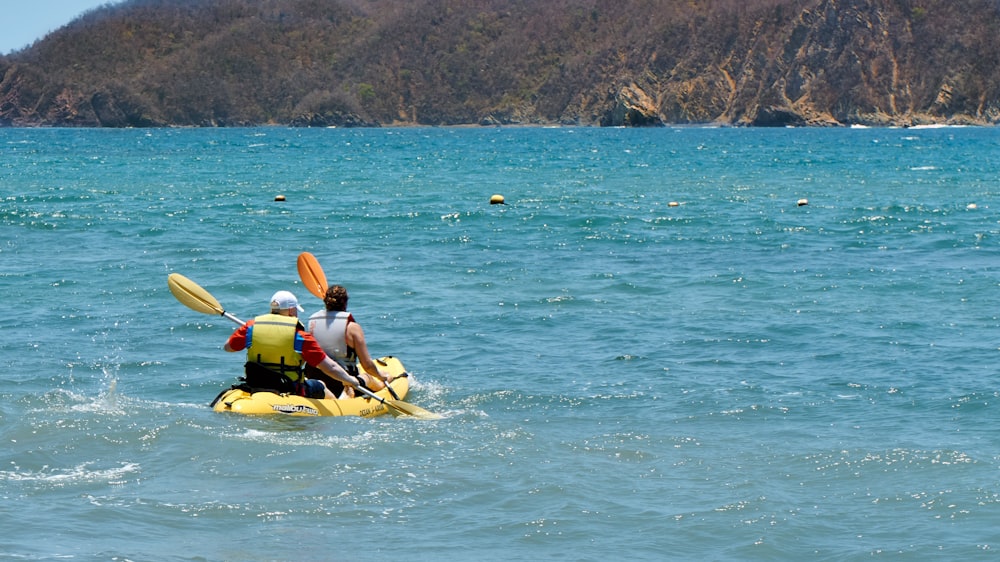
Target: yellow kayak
[241, 401]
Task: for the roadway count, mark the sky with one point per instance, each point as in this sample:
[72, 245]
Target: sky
[24, 21]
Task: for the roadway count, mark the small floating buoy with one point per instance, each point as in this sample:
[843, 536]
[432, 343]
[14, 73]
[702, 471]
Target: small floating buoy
[803, 202]
[497, 200]
[279, 197]
[673, 204]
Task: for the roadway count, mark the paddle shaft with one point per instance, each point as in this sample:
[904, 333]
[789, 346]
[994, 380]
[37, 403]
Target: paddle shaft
[233, 318]
[382, 400]
[389, 388]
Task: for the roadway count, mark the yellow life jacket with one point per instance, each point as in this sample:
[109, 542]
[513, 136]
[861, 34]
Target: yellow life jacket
[273, 341]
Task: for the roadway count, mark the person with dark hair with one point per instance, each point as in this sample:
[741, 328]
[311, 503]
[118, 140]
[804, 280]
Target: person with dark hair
[343, 340]
[277, 348]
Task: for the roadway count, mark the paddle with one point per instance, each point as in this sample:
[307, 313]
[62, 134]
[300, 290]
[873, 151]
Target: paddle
[314, 280]
[312, 275]
[404, 408]
[194, 297]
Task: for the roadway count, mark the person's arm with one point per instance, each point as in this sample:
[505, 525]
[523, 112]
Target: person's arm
[356, 339]
[238, 340]
[314, 355]
[334, 370]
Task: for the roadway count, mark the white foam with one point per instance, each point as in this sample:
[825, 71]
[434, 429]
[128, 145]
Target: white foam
[79, 473]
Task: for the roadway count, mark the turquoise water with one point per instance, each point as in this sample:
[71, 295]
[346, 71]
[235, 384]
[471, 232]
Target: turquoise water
[732, 377]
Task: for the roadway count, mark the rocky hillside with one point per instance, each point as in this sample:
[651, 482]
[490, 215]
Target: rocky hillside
[448, 62]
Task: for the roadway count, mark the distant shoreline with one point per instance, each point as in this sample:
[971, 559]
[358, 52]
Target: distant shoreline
[983, 125]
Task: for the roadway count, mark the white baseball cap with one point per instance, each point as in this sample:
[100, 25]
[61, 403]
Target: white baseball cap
[284, 300]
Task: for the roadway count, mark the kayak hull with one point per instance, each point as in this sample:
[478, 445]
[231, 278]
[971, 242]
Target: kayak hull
[240, 401]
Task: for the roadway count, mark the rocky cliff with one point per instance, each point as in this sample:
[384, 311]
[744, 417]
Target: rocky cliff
[448, 62]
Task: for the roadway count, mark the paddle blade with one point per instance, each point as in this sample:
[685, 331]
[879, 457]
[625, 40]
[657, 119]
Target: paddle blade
[193, 296]
[410, 410]
[400, 408]
[312, 274]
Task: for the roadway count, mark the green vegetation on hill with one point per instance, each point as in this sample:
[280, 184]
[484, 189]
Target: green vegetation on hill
[448, 62]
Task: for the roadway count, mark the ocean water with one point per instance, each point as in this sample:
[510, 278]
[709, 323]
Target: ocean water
[651, 352]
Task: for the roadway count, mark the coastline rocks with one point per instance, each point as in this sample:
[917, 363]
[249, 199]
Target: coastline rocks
[631, 106]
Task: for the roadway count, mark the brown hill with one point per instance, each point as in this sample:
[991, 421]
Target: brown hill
[448, 62]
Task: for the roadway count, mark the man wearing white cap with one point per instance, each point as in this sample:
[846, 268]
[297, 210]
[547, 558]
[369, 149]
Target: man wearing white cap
[277, 348]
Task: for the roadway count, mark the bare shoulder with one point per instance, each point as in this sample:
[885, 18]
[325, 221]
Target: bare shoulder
[355, 328]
